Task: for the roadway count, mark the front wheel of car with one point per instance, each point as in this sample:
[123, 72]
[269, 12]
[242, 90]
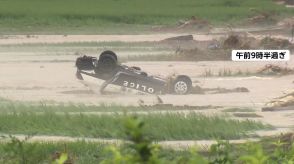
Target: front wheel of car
[182, 85]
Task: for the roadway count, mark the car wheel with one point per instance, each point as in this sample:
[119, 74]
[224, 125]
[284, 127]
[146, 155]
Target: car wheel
[85, 63]
[108, 53]
[182, 85]
[106, 63]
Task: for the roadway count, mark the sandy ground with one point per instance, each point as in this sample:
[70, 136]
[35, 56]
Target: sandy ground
[38, 81]
[34, 77]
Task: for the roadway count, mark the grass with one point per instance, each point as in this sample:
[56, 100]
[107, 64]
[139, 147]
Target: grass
[88, 44]
[71, 120]
[73, 48]
[123, 49]
[247, 115]
[52, 106]
[239, 73]
[80, 151]
[168, 126]
[120, 16]
[160, 57]
[228, 73]
[189, 55]
[238, 110]
[140, 149]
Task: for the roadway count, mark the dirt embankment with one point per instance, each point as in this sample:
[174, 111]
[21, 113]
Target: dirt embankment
[186, 48]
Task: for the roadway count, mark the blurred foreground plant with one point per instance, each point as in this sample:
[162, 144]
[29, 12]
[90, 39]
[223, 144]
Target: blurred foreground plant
[140, 149]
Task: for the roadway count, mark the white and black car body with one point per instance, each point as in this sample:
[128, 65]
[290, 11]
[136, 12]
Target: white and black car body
[107, 68]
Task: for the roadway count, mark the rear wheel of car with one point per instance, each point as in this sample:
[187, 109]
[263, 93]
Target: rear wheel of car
[108, 53]
[182, 85]
[107, 62]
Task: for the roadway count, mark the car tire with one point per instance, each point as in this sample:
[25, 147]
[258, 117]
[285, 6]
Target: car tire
[108, 53]
[182, 85]
[85, 63]
[107, 63]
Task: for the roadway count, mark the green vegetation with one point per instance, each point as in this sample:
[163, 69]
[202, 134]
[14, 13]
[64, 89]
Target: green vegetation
[81, 152]
[140, 149]
[120, 16]
[247, 115]
[165, 126]
[103, 121]
[48, 106]
[160, 57]
[17, 151]
[69, 51]
[239, 73]
[87, 46]
[228, 73]
[235, 109]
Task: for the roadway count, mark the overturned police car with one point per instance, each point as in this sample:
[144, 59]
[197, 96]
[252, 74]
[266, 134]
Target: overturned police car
[107, 68]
